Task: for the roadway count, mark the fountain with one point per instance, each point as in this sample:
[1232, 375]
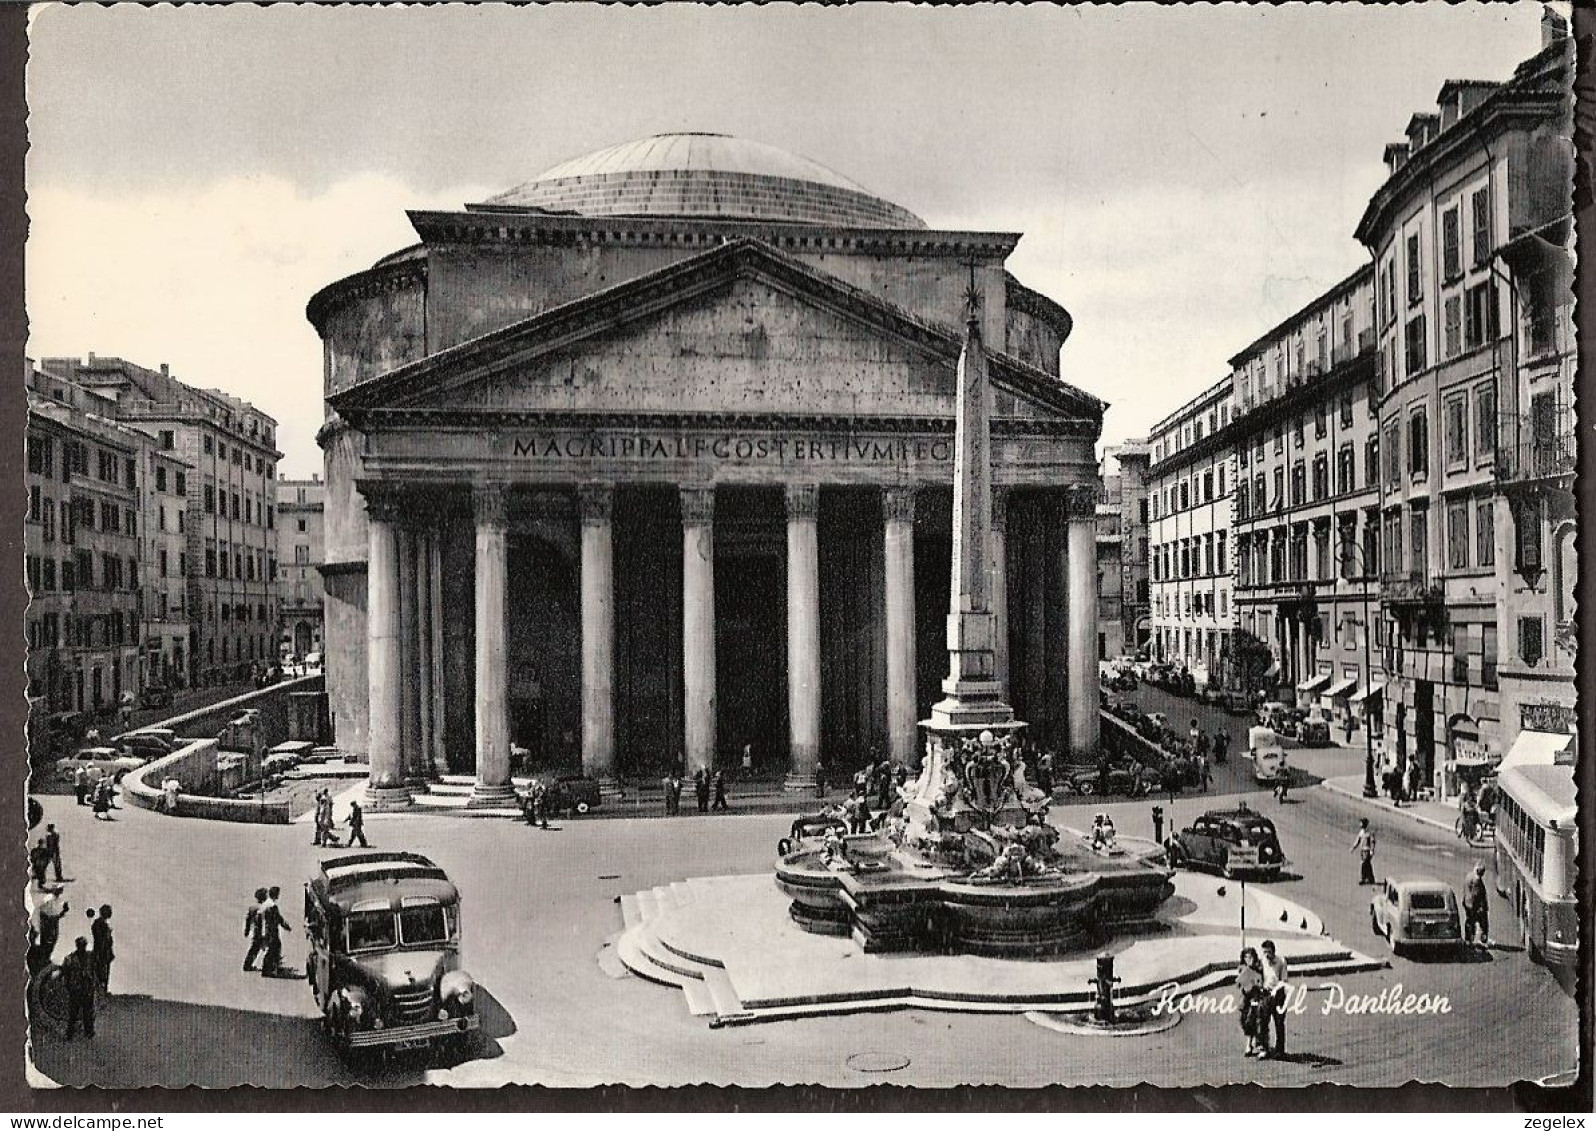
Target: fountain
[966, 860]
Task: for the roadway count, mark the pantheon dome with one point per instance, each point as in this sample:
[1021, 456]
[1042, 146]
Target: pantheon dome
[706, 175]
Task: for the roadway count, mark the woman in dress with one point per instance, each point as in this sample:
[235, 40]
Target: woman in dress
[1249, 983]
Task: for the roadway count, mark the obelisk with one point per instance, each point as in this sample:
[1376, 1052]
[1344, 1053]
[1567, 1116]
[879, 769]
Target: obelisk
[973, 696]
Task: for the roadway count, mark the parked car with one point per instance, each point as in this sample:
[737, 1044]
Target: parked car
[1314, 730]
[154, 697]
[384, 963]
[569, 793]
[1231, 840]
[145, 743]
[1236, 702]
[1127, 779]
[809, 832]
[1416, 914]
[100, 761]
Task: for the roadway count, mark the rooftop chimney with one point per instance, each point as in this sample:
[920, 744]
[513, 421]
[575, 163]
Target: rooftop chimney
[1396, 156]
[165, 370]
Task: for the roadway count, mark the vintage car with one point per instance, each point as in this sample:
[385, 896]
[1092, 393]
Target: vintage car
[1416, 914]
[1236, 702]
[155, 696]
[1233, 841]
[100, 762]
[144, 743]
[1314, 730]
[384, 962]
[1127, 779]
[808, 832]
[568, 793]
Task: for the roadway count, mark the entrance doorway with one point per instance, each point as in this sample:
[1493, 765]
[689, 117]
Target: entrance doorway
[750, 628]
[1424, 727]
[543, 651]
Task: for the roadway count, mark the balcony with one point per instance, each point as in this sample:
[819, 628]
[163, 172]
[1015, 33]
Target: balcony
[1538, 447]
[1411, 589]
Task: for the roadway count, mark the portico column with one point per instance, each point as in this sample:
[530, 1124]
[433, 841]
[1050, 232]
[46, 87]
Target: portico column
[598, 632]
[385, 788]
[493, 708]
[425, 612]
[436, 747]
[698, 626]
[409, 654]
[803, 634]
[1000, 587]
[897, 512]
[1082, 619]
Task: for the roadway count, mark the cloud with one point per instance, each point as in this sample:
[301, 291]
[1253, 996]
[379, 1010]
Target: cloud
[213, 281]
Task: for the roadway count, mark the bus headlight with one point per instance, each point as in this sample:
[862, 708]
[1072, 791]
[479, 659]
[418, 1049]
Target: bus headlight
[457, 992]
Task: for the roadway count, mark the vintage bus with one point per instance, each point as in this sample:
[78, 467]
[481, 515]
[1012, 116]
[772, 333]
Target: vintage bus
[1535, 859]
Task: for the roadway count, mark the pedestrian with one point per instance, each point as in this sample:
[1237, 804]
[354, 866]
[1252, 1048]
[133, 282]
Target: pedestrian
[52, 841]
[1158, 823]
[80, 784]
[323, 833]
[1044, 772]
[102, 800]
[1196, 736]
[104, 949]
[720, 791]
[701, 788]
[676, 794]
[357, 825]
[1221, 745]
[1276, 991]
[1351, 726]
[1415, 781]
[273, 925]
[884, 787]
[77, 971]
[1363, 845]
[1249, 983]
[1206, 771]
[1476, 907]
[255, 928]
[38, 861]
[748, 758]
[820, 779]
[44, 929]
[665, 792]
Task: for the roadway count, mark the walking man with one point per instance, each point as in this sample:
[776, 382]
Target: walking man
[104, 949]
[273, 925]
[46, 929]
[357, 825]
[255, 928]
[80, 785]
[1363, 845]
[77, 971]
[720, 791]
[1158, 823]
[1275, 999]
[52, 842]
[38, 861]
[701, 789]
[1476, 907]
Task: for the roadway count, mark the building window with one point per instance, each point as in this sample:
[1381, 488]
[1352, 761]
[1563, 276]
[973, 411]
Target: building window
[1488, 656]
[1321, 476]
[1453, 325]
[47, 517]
[1485, 422]
[1280, 438]
[1485, 533]
[210, 499]
[1346, 404]
[1298, 432]
[1528, 537]
[1346, 547]
[1451, 246]
[1280, 487]
[1481, 214]
[1530, 642]
[1457, 534]
[1208, 486]
[1413, 345]
[1241, 499]
[1479, 315]
[1321, 552]
[1371, 460]
[1415, 278]
[1418, 443]
[1222, 563]
[1457, 431]
[1345, 470]
[1419, 541]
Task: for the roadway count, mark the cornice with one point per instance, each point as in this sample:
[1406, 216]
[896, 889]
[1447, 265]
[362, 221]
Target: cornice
[384, 278]
[1018, 296]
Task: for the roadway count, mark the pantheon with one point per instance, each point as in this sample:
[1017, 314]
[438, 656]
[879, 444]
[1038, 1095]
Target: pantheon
[648, 463]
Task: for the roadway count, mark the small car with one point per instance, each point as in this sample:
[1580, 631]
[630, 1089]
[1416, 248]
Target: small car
[99, 761]
[1233, 841]
[145, 743]
[808, 832]
[569, 793]
[1127, 779]
[154, 697]
[384, 963]
[1416, 914]
[1314, 730]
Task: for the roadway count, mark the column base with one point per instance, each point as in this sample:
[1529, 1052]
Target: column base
[798, 781]
[387, 798]
[492, 797]
[609, 787]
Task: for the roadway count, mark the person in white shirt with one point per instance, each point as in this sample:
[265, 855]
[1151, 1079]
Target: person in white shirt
[1276, 993]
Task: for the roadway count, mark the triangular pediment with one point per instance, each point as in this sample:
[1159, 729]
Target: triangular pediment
[739, 329]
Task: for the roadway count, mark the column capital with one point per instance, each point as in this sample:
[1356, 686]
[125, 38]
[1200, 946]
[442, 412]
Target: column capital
[803, 502]
[897, 504]
[490, 504]
[385, 502]
[596, 502]
[1080, 502]
[698, 506]
[1000, 508]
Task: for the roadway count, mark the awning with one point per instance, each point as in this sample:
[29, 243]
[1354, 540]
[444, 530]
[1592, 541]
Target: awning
[1341, 688]
[1315, 683]
[1371, 692]
[1536, 748]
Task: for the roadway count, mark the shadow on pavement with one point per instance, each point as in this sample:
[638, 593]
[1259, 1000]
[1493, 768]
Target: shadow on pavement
[142, 1042]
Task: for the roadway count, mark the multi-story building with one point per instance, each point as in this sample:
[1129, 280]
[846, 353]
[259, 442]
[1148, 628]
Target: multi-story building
[164, 565]
[229, 525]
[1191, 477]
[81, 551]
[1464, 347]
[1307, 504]
[1134, 511]
[1110, 612]
[299, 554]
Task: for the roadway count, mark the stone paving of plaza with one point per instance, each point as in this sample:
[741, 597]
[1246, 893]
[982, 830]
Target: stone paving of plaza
[540, 906]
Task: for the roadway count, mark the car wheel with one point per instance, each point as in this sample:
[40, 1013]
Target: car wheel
[583, 807]
[1087, 789]
[783, 846]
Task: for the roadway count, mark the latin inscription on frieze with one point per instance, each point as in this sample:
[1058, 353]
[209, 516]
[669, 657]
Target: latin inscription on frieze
[644, 447]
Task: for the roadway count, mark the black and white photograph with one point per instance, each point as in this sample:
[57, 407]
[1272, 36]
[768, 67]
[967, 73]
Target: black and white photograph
[756, 546]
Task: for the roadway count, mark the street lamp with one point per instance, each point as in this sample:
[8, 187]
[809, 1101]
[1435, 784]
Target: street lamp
[1348, 549]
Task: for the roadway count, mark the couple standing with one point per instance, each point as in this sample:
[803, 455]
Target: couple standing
[263, 927]
[1264, 998]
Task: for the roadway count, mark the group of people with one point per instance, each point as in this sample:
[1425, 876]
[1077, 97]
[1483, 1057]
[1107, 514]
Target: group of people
[45, 853]
[709, 790]
[327, 826]
[1403, 785]
[1476, 808]
[1261, 981]
[1103, 838]
[86, 971]
[264, 927]
[95, 790]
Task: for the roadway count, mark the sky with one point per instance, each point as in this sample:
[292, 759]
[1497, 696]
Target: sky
[1185, 177]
